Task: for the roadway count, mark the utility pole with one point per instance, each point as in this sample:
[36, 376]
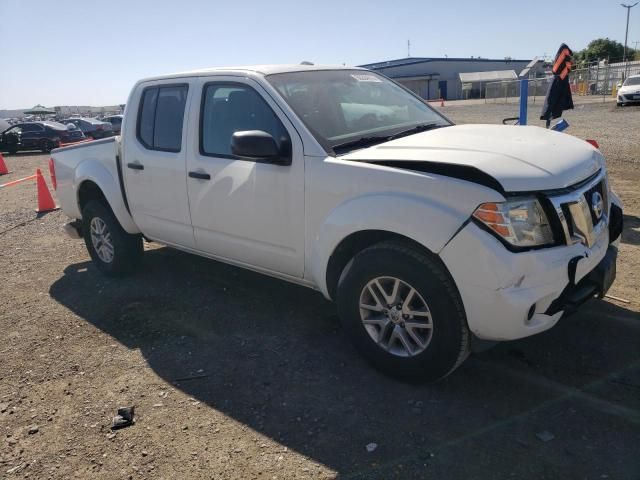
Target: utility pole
[408, 48]
[626, 35]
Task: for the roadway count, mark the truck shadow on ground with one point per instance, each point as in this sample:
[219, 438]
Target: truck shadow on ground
[272, 356]
[631, 232]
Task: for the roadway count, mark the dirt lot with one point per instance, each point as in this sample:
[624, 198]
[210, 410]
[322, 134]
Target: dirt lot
[235, 375]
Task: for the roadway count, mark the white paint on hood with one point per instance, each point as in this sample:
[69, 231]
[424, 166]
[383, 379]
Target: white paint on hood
[521, 158]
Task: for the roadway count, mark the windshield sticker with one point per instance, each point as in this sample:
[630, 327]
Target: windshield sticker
[365, 77]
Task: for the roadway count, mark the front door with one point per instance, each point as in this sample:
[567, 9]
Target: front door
[154, 165]
[32, 135]
[442, 86]
[247, 211]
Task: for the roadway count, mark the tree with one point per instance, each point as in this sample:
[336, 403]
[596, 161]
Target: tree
[601, 49]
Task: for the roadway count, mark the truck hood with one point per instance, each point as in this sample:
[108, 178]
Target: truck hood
[518, 158]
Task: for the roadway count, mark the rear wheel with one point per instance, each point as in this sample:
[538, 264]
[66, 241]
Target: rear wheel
[403, 312]
[112, 250]
[47, 145]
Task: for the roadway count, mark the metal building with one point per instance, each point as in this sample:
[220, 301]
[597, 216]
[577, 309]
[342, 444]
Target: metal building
[434, 78]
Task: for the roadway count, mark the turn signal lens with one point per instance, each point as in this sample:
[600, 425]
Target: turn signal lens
[521, 222]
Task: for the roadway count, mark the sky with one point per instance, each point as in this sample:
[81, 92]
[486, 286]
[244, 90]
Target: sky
[90, 52]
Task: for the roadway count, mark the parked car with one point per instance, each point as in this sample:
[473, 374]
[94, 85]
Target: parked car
[430, 237]
[92, 128]
[115, 121]
[629, 92]
[43, 136]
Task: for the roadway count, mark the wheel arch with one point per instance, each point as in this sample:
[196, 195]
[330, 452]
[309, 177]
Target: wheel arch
[94, 181]
[426, 223]
[88, 191]
[358, 241]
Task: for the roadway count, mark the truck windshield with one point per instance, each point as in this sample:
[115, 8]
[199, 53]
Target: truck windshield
[342, 107]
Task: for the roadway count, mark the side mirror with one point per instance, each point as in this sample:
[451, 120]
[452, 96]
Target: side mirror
[258, 145]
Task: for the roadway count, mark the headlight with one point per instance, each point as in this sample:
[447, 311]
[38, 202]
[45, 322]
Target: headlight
[521, 222]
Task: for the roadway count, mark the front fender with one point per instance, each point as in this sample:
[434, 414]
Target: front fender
[426, 221]
[93, 170]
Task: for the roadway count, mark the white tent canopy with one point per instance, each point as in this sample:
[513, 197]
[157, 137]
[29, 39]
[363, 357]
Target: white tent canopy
[495, 76]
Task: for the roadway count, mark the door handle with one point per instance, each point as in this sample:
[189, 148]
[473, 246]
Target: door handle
[135, 166]
[200, 175]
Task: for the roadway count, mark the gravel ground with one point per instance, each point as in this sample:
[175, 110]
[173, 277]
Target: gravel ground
[235, 375]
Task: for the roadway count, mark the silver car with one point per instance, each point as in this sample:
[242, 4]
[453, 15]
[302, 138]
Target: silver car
[92, 127]
[115, 121]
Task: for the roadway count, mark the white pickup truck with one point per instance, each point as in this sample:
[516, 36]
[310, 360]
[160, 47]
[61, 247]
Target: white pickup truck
[430, 237]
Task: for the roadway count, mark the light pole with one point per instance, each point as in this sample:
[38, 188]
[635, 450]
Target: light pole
[626, 34]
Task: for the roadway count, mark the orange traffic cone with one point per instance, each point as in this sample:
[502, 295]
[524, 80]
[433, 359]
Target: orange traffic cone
[45, 200]
[3, 166]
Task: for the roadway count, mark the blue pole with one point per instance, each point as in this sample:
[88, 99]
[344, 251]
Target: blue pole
[524, 97]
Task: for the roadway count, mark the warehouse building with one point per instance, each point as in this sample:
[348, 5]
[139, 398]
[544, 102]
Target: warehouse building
[434, 78]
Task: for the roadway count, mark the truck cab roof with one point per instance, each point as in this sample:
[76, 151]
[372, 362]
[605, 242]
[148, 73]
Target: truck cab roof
[250, 69]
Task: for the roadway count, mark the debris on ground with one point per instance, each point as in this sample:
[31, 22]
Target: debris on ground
[15, 469]
[371, 447]
[124, 418]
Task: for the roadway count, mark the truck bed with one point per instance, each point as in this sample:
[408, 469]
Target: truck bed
[97, 162]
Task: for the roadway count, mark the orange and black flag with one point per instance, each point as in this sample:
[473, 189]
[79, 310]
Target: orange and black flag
[563, 62]
[558, 97]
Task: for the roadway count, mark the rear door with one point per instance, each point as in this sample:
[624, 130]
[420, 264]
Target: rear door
[154, 163]
[244, 210]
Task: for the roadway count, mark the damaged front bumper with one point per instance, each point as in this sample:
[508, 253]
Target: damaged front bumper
[510, 295]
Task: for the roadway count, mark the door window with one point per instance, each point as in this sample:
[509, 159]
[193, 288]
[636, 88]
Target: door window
[31, 127]
[233, 107]
[161, 116]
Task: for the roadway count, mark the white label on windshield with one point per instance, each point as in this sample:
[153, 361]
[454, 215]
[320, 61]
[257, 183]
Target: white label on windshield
[365, 77]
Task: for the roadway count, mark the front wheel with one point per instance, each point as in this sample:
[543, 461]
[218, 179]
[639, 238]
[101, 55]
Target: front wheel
[112, 250]
[403, 312]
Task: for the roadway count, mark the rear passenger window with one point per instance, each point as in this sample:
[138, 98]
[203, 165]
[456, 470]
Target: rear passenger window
[233, 107]
[161, 117]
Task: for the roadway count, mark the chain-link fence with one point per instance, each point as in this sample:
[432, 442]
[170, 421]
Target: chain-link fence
[596, 79]
[601, 79]
[509, 91]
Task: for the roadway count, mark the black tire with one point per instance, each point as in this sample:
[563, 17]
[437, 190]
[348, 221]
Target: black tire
[449, 343]
[127, 248]
[47, 146]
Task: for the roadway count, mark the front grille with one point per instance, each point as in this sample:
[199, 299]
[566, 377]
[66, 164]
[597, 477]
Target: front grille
[579, 220]
[588, 196]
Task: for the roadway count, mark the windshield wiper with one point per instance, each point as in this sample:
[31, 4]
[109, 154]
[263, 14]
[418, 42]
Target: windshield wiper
[360, 142]
[369, 141]
[423, 127]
